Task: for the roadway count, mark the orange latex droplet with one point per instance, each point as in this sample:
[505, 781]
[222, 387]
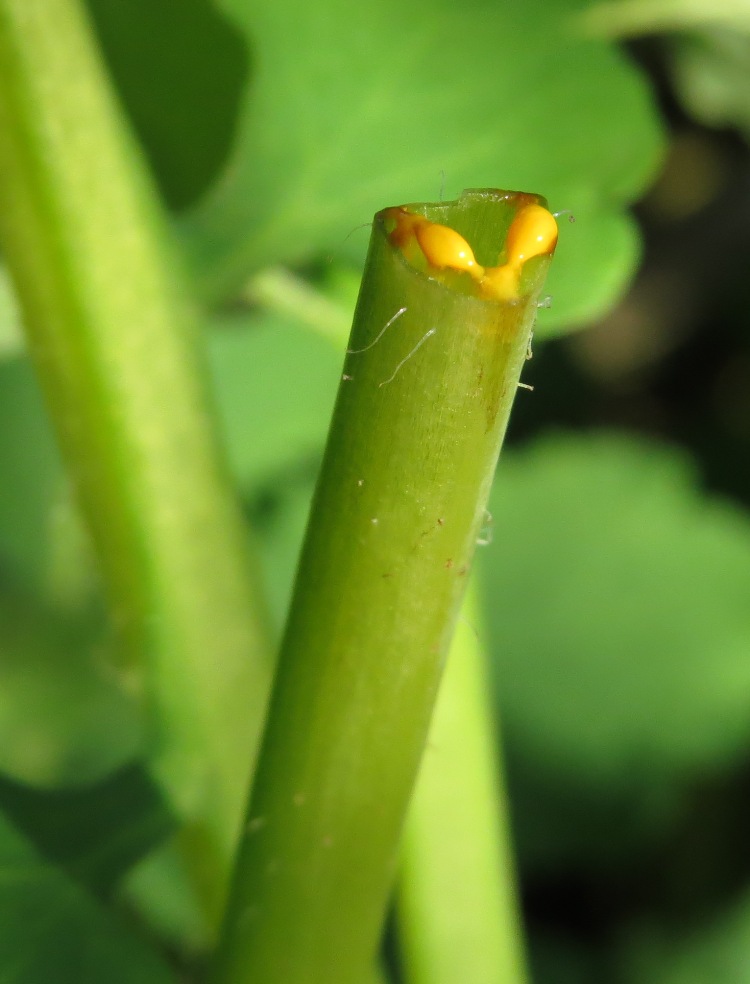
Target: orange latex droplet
[444, 247]
[501, 282]
[405, 223]
[532, 232]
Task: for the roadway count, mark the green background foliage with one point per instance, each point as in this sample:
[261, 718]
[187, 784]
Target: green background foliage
[615, 587]
[391, 103]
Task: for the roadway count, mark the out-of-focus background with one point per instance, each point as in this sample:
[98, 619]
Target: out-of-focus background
[617, 582]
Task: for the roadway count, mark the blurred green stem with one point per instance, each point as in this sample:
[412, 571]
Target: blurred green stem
[115, 346]
[458, 917]
[630, 18]
[280, 290]
[420, 417]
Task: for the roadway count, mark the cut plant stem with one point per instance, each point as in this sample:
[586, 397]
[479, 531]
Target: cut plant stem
[399, 504]
[115, 347]
[458, 918]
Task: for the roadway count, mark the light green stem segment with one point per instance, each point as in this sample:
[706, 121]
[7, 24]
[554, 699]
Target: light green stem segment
[115, 347]
[630, 18]
[413, 445]
[457, 907]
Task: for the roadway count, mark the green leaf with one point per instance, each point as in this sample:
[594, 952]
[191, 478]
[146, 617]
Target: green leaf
[709, 46]
[52, 931]
[279, 515]
[617, 604]
[179, 70]
[96, 833]
[256, 362]
[272, 372]
[64, 715]
[159, 892]
[357, 107]
[711, 71]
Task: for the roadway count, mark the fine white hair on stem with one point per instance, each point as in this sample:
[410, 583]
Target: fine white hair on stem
[406, 358]
[362, 225]
[380, 334]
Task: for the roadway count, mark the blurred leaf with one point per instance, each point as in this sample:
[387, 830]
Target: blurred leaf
[179, 69]
[64, 717]
[709, 44]
[617, 604]
[274, 385]
[711, 72]
[716, 953]
[330, 313]
[52, 932]
[95, 833]
[355, 108]
[629, 18]
[158, 889]
[279, 515]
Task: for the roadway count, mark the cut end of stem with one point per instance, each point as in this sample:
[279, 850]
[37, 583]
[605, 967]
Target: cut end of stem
[440, 251]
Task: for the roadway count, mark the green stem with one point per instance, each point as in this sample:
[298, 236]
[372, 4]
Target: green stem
[115, 347]
[458, 916]
[412, 449]
[630, 18]
[457, 906]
